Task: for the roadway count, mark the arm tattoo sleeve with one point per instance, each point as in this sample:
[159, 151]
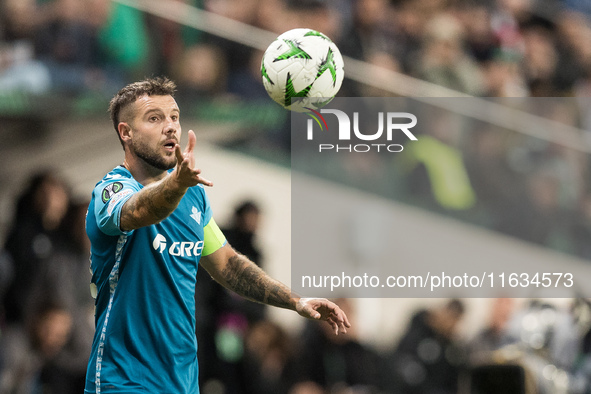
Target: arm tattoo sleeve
[151, 205]
[247, 279]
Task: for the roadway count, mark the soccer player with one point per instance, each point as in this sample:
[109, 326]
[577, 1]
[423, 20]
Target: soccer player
[150, 223]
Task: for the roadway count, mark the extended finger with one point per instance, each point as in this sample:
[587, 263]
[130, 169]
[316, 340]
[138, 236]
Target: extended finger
[346, 320]
[342, 327]
[340, 315]
[204, 181]
[190, 143]
[334, 325]
[178, 154]
[337, 324]
[341, 318]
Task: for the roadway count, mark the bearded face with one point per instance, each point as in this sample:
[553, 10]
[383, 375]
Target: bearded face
[155, 131]
[152, 155]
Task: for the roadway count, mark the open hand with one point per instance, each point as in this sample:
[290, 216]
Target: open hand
[186, 173]
[323, 309]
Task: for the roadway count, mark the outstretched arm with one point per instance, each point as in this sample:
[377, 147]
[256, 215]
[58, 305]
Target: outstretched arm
[156, 201]
[239, 274]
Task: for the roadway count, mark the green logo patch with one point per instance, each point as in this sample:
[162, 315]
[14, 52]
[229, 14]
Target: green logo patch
[110, 190]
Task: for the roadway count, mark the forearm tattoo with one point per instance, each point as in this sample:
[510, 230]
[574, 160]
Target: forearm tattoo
[247, 279]
[151, 205]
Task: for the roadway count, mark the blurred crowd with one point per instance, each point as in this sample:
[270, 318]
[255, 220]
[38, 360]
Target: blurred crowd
[494, 48]
[47, 324]
[47, 314]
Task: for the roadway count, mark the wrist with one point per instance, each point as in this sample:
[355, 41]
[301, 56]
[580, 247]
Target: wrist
[174, 184]
[298, 302]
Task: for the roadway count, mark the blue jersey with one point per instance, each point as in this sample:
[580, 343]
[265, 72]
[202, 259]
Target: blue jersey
[144, 284]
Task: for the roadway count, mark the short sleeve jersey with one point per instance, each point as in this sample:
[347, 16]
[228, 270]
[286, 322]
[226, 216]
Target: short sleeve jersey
[144, 283]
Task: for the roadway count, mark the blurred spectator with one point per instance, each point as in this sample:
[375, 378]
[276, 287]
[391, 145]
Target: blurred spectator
[312, 14]
[241, 233]
[268, 363]
[481, 41]
[371, 30]
[540, 61]
[336, 362]
[495, 335]
[574, 50]
[64, 279]
[32, 239]
[123, 40]
[436, 171]
[409, 23]
[246, 82]
[271, 16]
[201, 73]
[443, 60]
[28, 352]
[169, 40]
[242, 11]
[502, 76]
[21, 18]
[428, 358]
[20, 72]
[573, 32]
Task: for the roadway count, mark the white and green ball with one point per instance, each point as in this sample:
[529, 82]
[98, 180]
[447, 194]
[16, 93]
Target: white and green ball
[302, 69]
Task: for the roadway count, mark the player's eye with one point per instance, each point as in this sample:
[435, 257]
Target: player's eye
[174, 118]
[153, 118]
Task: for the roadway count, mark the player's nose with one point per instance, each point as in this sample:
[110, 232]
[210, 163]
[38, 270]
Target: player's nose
[170, 127]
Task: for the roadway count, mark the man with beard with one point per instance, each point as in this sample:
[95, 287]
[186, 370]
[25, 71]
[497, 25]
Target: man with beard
[150, 223]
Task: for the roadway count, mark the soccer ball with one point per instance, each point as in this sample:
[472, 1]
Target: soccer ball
[302, 69]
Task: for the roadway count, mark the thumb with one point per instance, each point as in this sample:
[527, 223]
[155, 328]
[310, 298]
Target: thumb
[315, 314]
[191, 143]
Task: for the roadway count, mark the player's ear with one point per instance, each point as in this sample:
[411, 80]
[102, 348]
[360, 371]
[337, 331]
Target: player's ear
[124, 131]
